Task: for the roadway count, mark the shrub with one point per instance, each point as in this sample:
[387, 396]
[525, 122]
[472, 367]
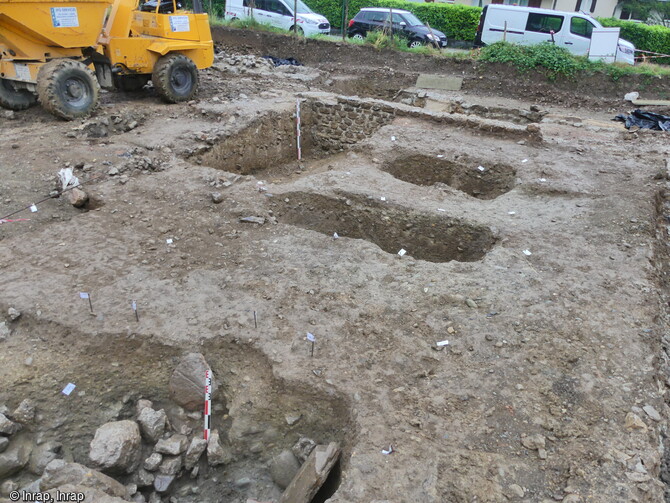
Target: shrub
[554, 60]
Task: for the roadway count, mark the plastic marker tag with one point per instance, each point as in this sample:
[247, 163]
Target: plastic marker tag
[83, 295]
[310, 337]
[133, 304]
[525, 160]
[402, 252]
[336, 235]
[383, 198]
[33, 208]
[388, 451]
[481, 168]
[68, 389]
[527, 252]
[442, 343]
[169, 241]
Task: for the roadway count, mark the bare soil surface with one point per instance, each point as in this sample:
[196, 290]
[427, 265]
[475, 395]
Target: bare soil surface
[541, 265]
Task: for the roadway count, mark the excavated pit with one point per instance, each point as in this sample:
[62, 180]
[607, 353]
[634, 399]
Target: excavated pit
[251, 408]
[267, 142]
[477, 178]
[425, 237]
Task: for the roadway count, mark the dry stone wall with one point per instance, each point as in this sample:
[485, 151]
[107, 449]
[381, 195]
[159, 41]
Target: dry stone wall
[339, 123]
[335, 122]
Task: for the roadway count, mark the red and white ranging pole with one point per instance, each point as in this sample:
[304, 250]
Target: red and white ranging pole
[208, 403]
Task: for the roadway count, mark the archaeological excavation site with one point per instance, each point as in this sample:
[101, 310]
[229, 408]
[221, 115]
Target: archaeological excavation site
[424, 296]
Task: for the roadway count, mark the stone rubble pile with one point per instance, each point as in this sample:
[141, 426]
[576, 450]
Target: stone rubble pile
[151, 457]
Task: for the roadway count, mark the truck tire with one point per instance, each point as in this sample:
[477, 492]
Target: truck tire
[67, 88]
[175, 78]
[14, 99]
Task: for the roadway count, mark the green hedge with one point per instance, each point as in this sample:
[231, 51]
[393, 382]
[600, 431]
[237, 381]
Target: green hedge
[655, 38]
[458, 22]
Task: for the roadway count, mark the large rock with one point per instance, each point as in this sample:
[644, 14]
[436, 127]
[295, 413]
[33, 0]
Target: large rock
[5, 332]
[144, 478]
[143, 404]
[78, 198]
[170, 465]
[138, 498]
[187, 384]
[116, 447]
[4, 443]
[283, 468]
[172, 446]
[42, 455]
[195, 450]
[533, 442]
[162, 483]
[60, 473]
[15, 457]
[153, 462]
[152, 423]
[8, 427]
[25, 412]
[216, 454]
[13, 313]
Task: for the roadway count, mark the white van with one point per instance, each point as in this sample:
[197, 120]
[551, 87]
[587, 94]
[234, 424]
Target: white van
[529, 25]
[278, 13]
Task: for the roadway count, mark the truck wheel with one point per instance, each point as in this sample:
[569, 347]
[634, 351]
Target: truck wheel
[15, 99]
[175, 78]
[67, 88]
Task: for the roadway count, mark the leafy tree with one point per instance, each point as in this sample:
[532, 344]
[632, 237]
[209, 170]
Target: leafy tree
[649, 11]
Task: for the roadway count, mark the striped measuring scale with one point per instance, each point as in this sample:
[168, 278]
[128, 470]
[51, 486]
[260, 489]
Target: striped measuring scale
[208, 403]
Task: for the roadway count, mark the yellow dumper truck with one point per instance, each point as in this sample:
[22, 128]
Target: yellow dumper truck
[62, 51]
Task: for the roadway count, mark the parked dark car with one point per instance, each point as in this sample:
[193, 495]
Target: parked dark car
[404, 22]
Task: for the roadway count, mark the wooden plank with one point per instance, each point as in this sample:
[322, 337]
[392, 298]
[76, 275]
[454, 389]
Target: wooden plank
[312, 474]
[660, 103]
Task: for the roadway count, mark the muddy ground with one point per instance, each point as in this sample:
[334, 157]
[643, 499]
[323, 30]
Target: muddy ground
[543, 265]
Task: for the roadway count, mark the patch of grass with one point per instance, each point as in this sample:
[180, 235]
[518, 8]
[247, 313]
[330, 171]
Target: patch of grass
[328, 38]
[558, 62]
[215, 20]
[252, 24]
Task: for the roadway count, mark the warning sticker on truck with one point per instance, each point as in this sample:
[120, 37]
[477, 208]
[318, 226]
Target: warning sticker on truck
[22, 72]
[179, 23]
[64, 17]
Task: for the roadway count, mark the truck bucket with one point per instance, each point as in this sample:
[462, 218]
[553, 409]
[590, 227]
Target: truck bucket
[29, 28]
